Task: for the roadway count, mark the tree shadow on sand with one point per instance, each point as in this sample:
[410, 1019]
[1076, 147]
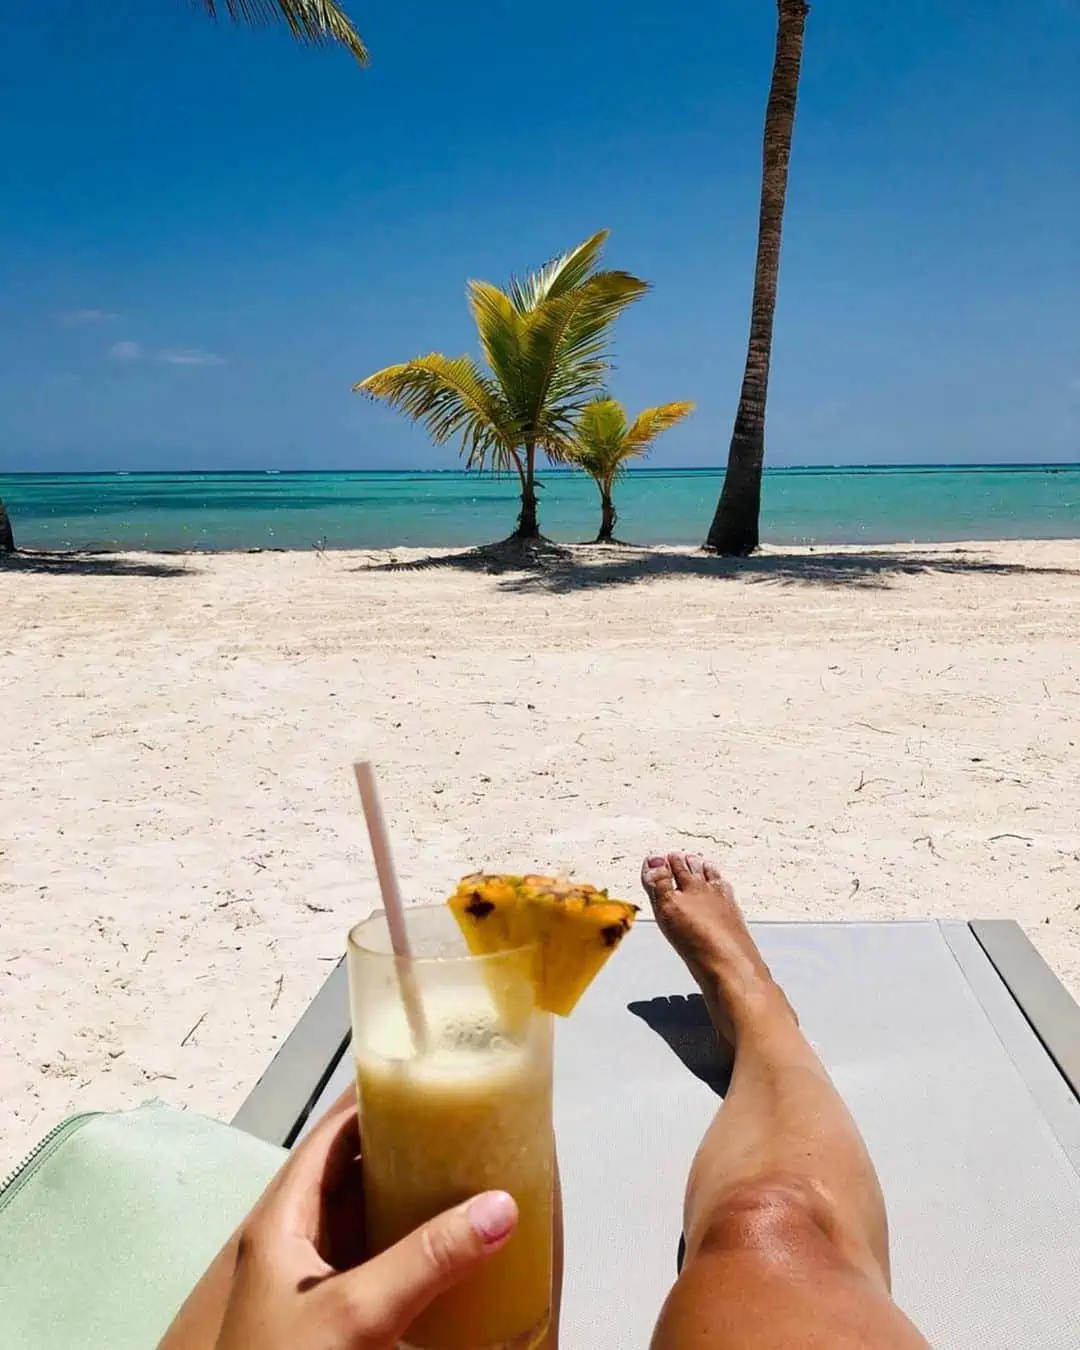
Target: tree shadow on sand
[558, 569]
[539, 556]
[63, 564]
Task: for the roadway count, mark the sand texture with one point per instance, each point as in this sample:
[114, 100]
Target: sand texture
[882, 733]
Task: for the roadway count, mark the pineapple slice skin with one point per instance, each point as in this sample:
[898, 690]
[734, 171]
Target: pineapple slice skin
[573, 928]
[488, 912]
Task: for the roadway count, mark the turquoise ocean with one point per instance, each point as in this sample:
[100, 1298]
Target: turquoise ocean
[217, 511]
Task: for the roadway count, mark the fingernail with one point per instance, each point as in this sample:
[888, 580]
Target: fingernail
[492, 1215]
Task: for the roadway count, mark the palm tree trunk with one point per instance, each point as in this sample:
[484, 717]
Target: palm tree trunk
[608, 516]
[734, 530]
[7, 537]
[528, 526]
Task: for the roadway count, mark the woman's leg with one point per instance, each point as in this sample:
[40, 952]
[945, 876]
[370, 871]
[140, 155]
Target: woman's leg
[786, 1236]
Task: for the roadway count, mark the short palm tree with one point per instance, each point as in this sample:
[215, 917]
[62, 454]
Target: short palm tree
[604, 441]
[545, 340]
[315, 21]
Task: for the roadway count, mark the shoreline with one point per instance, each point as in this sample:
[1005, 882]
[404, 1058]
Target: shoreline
[854, 733]
[615, 548]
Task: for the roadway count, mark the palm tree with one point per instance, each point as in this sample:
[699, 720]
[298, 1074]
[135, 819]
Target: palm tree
[545, 340]
[734, 528]
[604, 442]
[316, 21]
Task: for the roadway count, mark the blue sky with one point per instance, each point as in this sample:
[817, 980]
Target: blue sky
[207, 234]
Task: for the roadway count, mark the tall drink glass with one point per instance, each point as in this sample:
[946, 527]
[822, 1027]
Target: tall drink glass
[467, 1109]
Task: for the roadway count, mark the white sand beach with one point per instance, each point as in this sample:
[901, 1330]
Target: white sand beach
[880, 734]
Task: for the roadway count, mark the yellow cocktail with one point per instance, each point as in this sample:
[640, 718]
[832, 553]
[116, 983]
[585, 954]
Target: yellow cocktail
[463, 1108]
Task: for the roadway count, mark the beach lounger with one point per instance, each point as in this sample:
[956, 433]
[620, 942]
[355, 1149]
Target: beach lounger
[954, 1045]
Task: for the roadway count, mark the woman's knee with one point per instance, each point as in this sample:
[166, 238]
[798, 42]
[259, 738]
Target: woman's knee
[780, 1217]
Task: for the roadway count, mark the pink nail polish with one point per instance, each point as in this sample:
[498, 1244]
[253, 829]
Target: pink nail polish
[492, 1215]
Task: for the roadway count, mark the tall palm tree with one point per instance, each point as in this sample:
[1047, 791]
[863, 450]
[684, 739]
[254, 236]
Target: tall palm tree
[604, 441]
[316, 21]
[734, 528]
[545, 340]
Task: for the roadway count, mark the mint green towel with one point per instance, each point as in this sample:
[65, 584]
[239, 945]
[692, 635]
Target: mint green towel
[106, 1228]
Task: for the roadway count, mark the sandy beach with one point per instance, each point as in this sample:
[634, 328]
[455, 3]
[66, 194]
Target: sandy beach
[880, 734]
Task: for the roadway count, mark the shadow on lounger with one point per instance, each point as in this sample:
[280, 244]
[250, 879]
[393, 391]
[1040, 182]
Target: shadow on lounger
[683, 1023]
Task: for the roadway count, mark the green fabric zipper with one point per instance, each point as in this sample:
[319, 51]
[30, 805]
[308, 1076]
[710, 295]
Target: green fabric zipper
[15, 1181]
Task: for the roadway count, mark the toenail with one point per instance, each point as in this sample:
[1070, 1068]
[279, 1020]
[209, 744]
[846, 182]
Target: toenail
[656, 861]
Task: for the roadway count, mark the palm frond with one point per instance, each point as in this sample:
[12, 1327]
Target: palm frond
[559, 276]
[569, 347]
[651, 422]
[603, 422]
[319, 22]
[502, 338]
[452, 397]
[598, 438]
[603, 441]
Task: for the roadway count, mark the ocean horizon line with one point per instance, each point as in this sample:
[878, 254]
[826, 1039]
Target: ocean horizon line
[963, 466]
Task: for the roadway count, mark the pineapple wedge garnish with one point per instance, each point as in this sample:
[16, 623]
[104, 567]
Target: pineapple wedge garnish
[572, 927]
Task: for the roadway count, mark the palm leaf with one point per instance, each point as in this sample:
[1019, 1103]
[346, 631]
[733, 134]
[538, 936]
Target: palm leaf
[558, 277]
[650, 423]
[502, 339]
[318, 22]
[603, 441]
[599, 437]
[453, 398]
[569, 337]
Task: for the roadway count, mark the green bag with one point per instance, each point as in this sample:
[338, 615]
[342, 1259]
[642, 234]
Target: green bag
[108, 1224]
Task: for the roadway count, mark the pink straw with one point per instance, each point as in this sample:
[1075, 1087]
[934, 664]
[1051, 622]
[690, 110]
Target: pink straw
[392, 902]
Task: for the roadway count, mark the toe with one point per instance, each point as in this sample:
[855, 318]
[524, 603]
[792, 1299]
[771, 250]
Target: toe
[681, 870]
[696, 864]
[656, 877]
[718, 881]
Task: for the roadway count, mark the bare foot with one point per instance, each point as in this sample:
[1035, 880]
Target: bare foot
[696, 911]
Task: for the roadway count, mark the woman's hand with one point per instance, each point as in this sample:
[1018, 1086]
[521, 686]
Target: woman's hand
[296, 1283]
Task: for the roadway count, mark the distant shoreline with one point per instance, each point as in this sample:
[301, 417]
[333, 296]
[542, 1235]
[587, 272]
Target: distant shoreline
[569, 553]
